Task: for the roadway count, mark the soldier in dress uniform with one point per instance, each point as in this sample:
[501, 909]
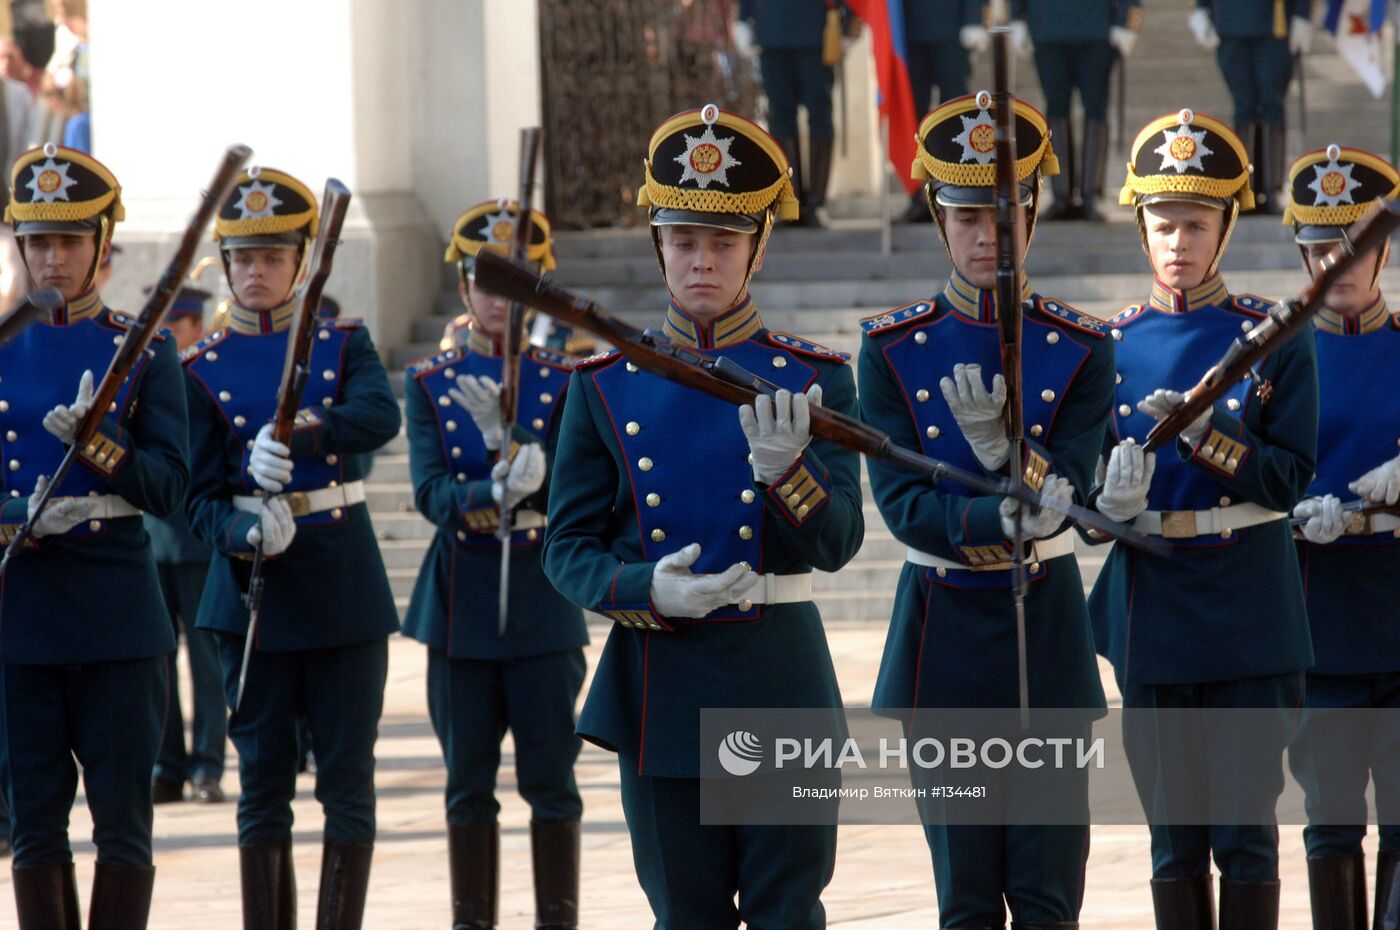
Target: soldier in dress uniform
[321, 646]
[183, 563]
[790, 34]
[83, 671]
[938, 35]
[666, 501]
[1255, 44]
[1350, 562]
[1219, 622]
[930, 376]
[480, 682]
[1076, 43]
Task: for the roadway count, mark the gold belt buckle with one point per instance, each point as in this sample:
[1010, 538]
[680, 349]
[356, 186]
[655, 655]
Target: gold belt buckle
[299, 502]
[1179, 524]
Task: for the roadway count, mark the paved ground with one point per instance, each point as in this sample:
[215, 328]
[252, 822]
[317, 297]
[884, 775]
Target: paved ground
[882, 880]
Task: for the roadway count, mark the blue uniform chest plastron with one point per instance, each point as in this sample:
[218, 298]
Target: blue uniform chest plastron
[1172, 350]
[39, 370]
[543, 377]
[242, 373]
[927, 352]
[702, 495]
[1348, 448]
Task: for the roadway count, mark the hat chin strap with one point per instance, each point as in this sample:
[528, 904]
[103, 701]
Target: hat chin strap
[766, 230]
[296, 278]
[104, 230]
[940, 216]
[1232, 215]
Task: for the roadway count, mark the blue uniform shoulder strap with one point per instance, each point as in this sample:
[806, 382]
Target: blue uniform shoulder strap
[1062, 312]
[805, 347]
[895, 319]
[431, 363]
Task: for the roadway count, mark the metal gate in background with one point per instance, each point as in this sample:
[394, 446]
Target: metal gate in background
[612, 71]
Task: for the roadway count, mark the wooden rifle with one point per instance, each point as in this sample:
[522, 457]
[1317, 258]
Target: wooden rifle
[1011, 239]
[136, 343]
[510, 359]
[296, 368]
[1285, 321]
[723, 378]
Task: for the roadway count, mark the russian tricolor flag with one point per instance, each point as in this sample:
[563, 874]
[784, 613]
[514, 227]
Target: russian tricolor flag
[896, 101]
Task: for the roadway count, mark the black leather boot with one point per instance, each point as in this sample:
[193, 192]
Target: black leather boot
[269, 887]
[340, 901]
[1042, 925]
[121, 897]
[46, 898]
[1337, 889]
[473, 852]
[817, 181]
[1272, 139]
[1248, 905]
[554, 854]
[1387, 913]
[1095, 153]
[1250, 137]
[1062, 185]
[1183, 903]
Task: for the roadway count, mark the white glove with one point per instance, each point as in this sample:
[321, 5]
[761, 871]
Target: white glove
[1300, 36]
[1123, 39]
[481, 397]
[1380, 485]
[974, 38]
[1203, 29]
[778, 429]
[1045, 522]
[1125, 482]
[275, 528]
[1326, 520]
[979, 414]
[516, 479]
[741, 31]
[1163, 401]
[270, 462]
[675, 592]
[1021, 38]
[61, 514]
[62, 421]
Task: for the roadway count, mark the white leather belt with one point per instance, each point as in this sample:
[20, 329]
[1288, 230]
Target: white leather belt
[1366, 524]
[779, 589]
[528, 520]
[305, 503]
[1041, 550]
[106, 506]
[1217, 521]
